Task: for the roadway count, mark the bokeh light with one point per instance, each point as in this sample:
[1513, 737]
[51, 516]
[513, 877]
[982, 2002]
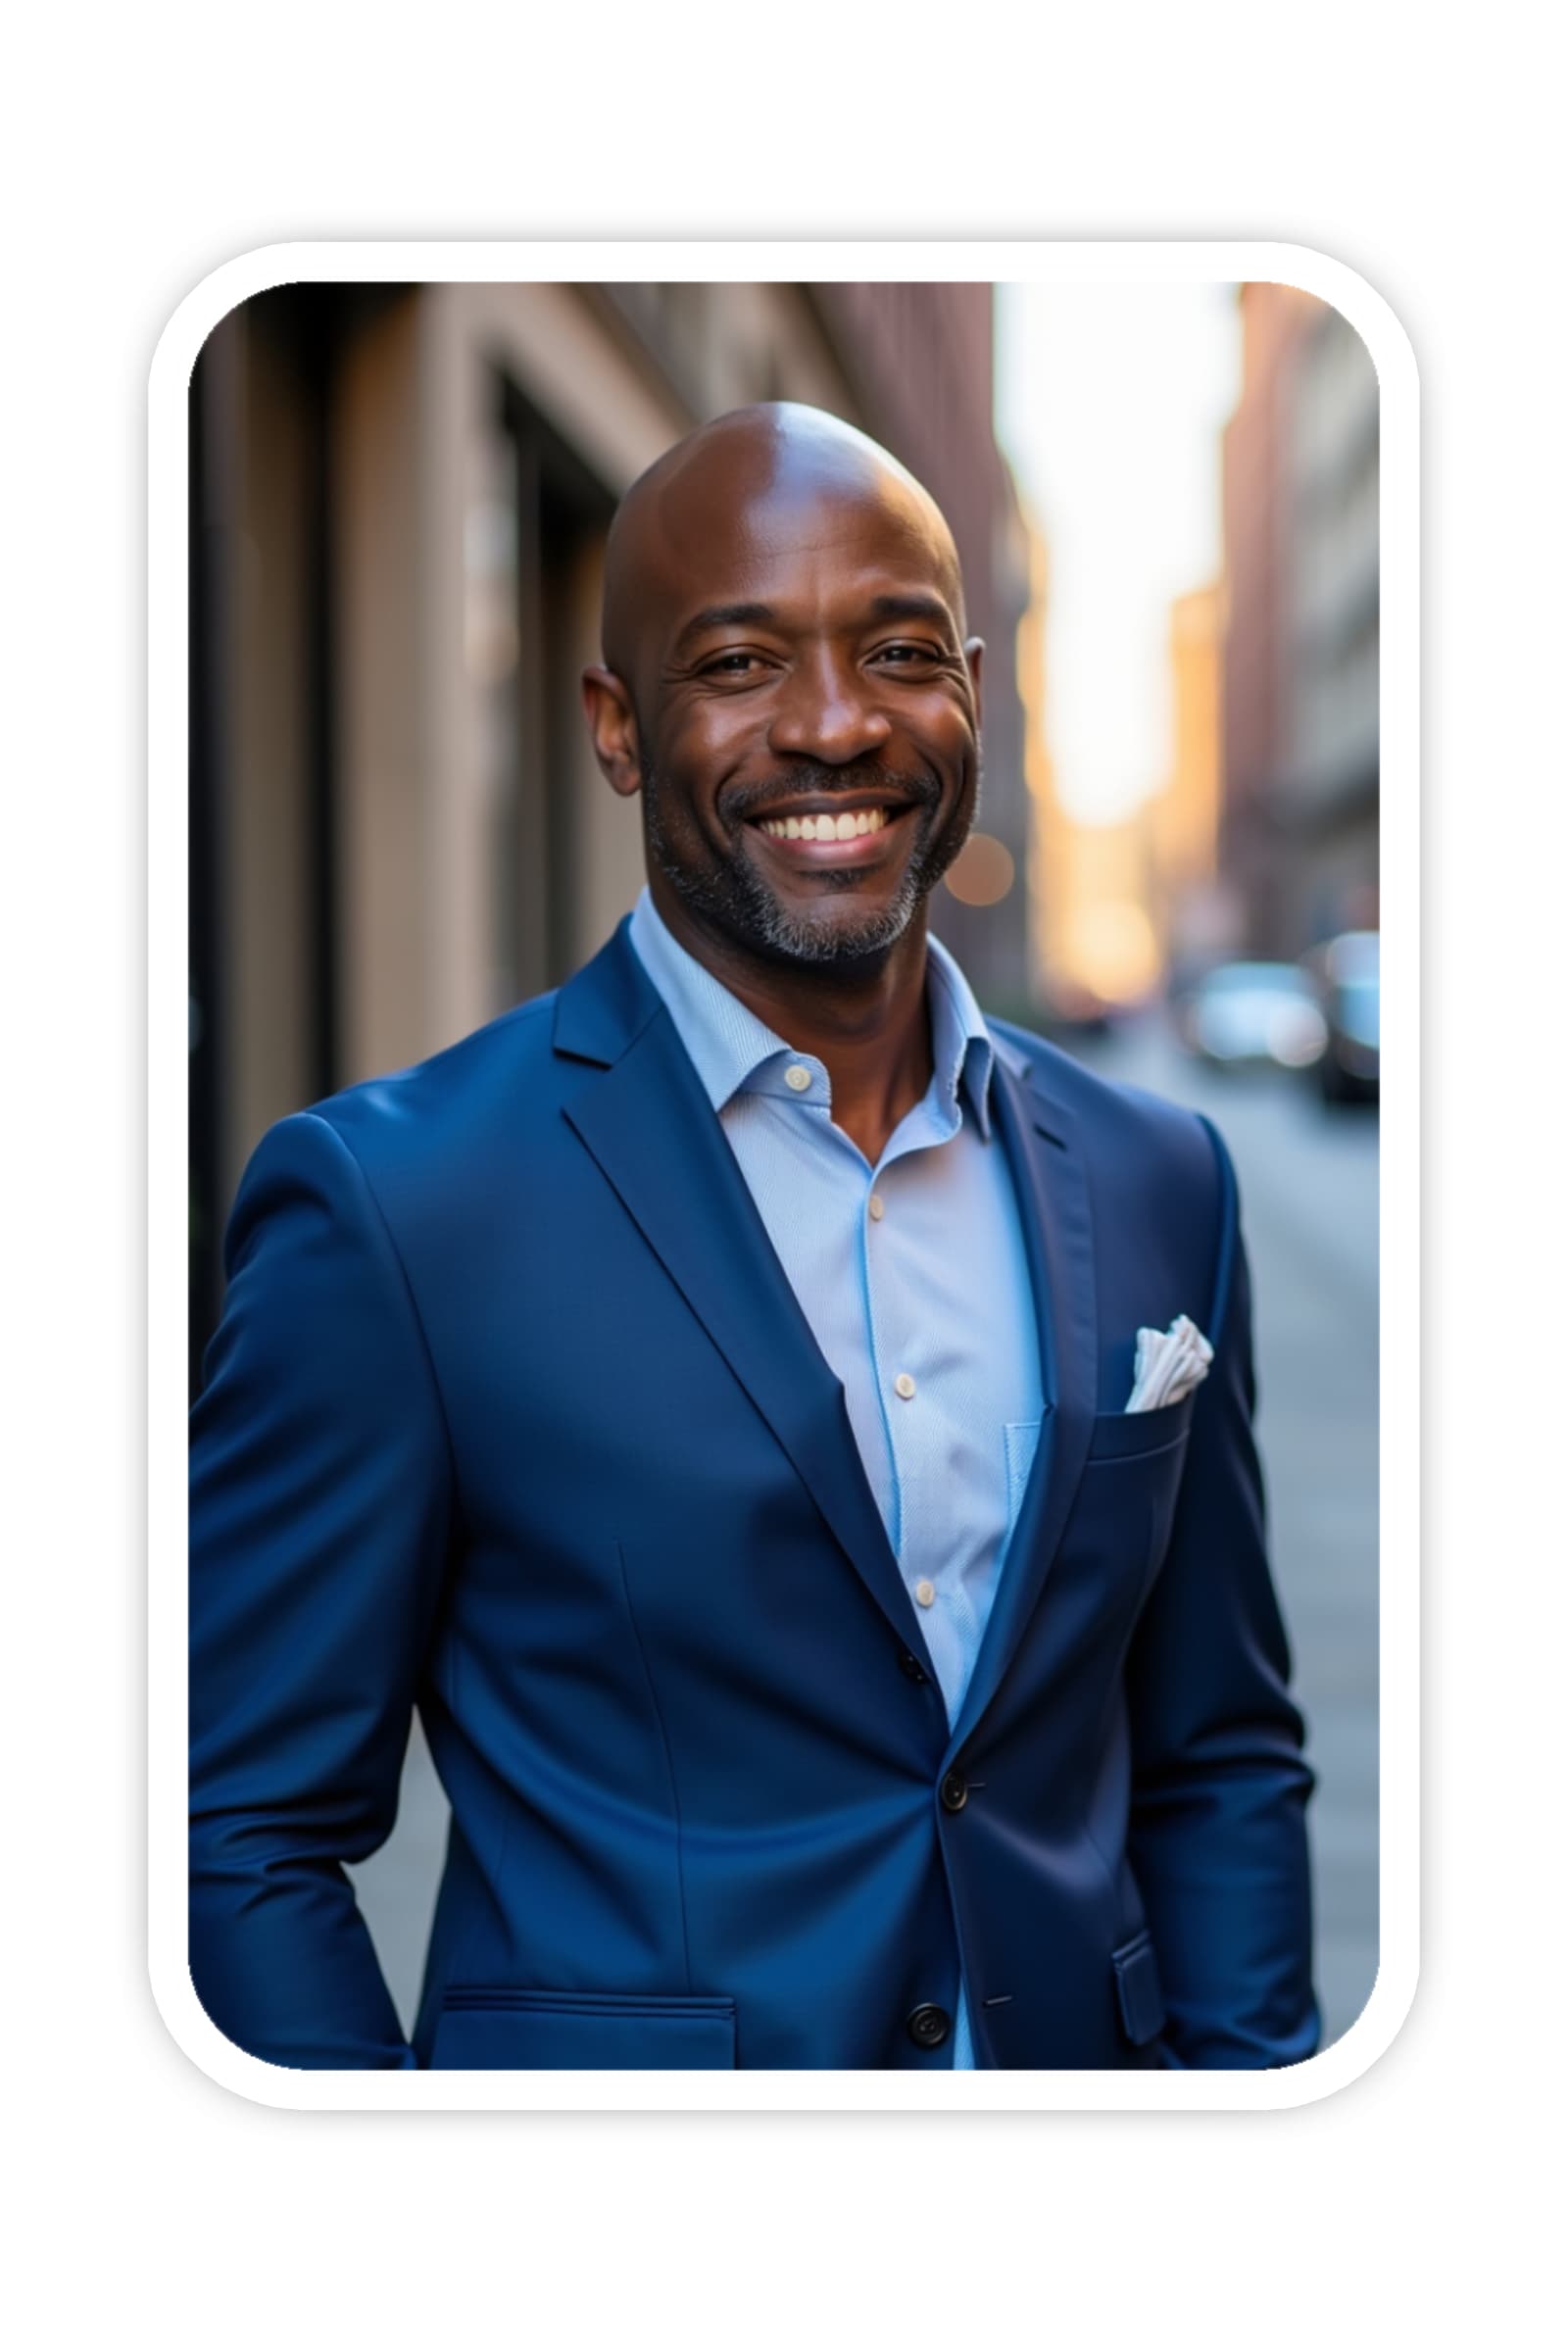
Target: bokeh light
[982, 873]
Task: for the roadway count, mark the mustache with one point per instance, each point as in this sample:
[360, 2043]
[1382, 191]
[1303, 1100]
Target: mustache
[918, 787]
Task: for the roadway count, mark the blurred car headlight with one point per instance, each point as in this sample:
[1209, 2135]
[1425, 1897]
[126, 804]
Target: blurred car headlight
[1297, 1035]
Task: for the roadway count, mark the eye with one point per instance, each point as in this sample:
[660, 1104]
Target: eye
[904, 655]
[731, 665]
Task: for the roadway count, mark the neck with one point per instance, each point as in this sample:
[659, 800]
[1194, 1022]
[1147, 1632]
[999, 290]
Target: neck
[867, 1024]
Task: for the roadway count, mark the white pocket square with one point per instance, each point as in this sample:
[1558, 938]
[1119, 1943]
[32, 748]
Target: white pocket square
[1168, 1366]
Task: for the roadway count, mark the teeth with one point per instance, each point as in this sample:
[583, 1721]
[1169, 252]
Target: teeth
[848, 827]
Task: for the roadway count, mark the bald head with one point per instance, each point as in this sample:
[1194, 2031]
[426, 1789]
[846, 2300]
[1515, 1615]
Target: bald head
[754, 479]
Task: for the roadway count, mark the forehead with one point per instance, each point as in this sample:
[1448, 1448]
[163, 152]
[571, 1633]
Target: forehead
[804, 541]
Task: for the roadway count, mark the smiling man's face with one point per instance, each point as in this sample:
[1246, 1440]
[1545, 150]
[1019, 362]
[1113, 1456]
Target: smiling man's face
[804, 707]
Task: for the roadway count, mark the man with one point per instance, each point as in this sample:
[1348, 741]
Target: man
[703, 1392]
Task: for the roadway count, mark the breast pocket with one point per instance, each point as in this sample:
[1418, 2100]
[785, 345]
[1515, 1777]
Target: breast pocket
[1126, 1498]
[1120, 1437]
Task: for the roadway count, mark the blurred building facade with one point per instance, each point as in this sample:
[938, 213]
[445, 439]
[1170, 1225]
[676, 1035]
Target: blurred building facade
[399, 504]
[1299, 835]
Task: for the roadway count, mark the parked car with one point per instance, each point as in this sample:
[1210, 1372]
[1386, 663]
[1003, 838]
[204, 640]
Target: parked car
[1344, 973]
[1254, 1015]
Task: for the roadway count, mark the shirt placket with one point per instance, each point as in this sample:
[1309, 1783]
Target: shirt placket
[902, 1358]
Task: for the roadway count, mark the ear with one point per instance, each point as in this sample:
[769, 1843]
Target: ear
[613, 724]
[974, 654]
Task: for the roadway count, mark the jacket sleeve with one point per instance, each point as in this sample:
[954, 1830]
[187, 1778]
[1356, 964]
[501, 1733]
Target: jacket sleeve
[319, 1499]
[1218, 1839]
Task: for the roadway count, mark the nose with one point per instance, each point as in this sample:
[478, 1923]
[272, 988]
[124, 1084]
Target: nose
[828, 710]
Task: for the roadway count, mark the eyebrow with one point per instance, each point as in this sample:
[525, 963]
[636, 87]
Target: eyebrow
[725, 617]
[913, 606]
[910, 604]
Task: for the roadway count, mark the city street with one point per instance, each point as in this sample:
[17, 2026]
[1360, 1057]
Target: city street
[1310, 1198]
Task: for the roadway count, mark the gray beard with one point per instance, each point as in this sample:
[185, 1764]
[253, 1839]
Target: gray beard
[733, 900]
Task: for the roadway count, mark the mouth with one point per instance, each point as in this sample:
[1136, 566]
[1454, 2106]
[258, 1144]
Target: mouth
[832, 834]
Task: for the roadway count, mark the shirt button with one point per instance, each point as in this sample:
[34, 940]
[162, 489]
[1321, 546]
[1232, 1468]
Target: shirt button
[878, 1208]
[925, 1591]
[905, 1385]
[798, 1077]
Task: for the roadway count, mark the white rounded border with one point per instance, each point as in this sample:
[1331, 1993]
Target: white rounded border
[174, 358]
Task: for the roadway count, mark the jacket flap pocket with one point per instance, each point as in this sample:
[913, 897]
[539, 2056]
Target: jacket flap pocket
[1138, 1990]
[1115, 1435]
[485, 2026]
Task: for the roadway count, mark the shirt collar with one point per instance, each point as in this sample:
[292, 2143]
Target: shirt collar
[727, 1043]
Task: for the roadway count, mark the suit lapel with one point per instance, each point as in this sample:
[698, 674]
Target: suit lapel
[1037, 1133]
[652, 1132]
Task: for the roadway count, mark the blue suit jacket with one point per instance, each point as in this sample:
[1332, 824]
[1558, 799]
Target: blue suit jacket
[514, 1417]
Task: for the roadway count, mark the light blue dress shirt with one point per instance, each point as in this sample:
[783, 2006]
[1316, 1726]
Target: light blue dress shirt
[912, 1276]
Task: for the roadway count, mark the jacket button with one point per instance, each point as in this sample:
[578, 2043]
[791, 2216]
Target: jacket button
[928, 2026]
[955, 1792]
[912, 1667]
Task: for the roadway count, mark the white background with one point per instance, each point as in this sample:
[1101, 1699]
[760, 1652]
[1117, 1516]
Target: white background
[142, 150]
